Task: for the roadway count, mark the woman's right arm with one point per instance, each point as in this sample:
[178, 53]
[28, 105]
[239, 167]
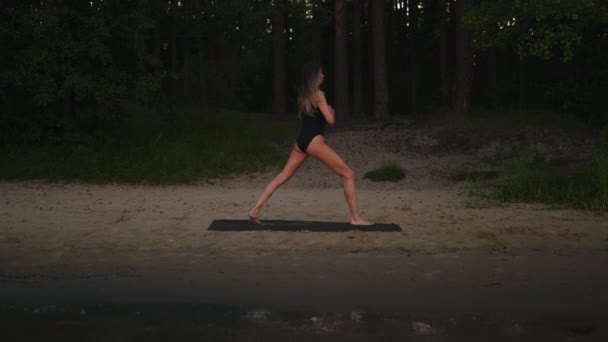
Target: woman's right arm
[325, 108]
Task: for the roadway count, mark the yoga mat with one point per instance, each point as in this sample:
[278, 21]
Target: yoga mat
[284, 225]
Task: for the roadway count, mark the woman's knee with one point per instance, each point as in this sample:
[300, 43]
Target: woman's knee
[283, 178]
[348, 174]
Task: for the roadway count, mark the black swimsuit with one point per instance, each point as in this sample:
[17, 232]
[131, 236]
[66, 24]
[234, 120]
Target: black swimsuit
[312, 125]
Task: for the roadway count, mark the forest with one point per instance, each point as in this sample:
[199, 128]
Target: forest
[171, 91]
[77, 65]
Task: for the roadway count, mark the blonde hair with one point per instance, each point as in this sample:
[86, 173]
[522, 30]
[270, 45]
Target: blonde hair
[307, 92]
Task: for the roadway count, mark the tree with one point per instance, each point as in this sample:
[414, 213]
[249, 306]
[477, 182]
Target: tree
[358, 56]
[156, 42]
[202, 65]
[542, 30]
[464, 65]
[341, 61]
[492, 79]
[413, 21]
[381, 108]
[69, 67]
[316, 32]
[537, 28]
[443, 53]
[278, 39]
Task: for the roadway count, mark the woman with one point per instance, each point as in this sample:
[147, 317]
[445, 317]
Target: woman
[314, 112]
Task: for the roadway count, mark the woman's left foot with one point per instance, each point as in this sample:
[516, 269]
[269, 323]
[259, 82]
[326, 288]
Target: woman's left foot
[360, 222]
[253, 216]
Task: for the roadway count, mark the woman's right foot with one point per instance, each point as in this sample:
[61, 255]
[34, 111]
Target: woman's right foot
[360, 222]
[254, 216]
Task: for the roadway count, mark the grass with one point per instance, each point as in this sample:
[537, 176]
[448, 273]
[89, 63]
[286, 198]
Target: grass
[531, 178]
[534, 179]
[522, 177]
[537, 181]
[175, 150]
[387, 172]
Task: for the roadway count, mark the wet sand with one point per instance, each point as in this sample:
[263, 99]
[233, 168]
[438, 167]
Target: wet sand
[445, 296]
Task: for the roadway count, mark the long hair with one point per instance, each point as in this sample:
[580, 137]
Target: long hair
[311, 81]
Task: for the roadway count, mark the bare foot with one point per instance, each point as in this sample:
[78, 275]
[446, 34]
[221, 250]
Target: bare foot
[254, 216]
[360, 222]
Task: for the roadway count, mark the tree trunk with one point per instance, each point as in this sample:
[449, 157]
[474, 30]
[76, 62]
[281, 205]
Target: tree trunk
[368, 58]
[186, 73]
[464, 78]
[201, 61]
[341, 63]
[278, 40]
[444, 88]
[173, 43]
[523, 83]
[403, 26]
[202, 76]
[492, 80]
[157, 40]
[358, 64]
[316, 33]
[381, 109]
[413, 7]
[188, 67]
[402, 14]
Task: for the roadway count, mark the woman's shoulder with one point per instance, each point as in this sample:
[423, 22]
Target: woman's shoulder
[319, 95]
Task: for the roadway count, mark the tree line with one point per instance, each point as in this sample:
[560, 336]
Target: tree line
[70, 65]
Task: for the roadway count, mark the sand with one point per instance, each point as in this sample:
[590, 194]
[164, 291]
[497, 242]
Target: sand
[47, 225]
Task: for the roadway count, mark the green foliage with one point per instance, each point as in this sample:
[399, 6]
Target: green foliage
[172, 150]
[68, 68]
[70, 64]
[539, 28]
[385, 173]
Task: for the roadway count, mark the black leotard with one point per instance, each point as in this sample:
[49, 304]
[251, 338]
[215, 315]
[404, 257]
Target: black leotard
[312, 125]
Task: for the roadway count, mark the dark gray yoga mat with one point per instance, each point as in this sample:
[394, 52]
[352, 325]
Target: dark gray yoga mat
[284, 225]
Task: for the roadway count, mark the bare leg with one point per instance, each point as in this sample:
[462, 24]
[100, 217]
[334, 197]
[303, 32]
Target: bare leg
[320, 150]
[296, 159]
